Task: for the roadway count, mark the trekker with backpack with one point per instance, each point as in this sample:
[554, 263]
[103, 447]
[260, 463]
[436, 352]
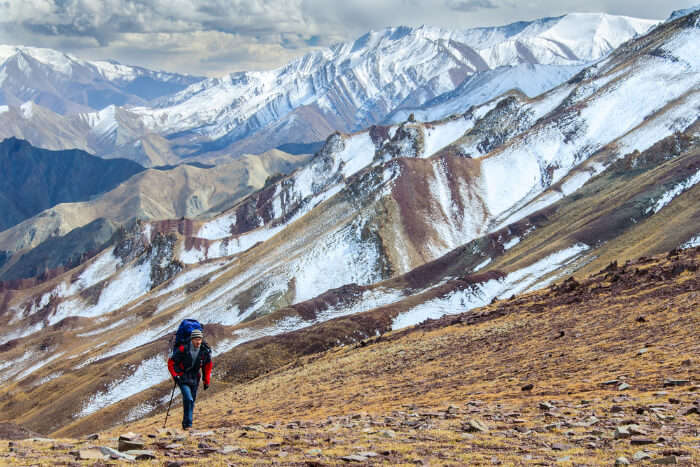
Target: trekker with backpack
[190, 361]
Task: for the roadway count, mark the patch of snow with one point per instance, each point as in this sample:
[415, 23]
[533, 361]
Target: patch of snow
[443, 134]
[192, 256]
[454, 226]
[131, 283]
[358, 153]
[217, 228]
[48, 378]
[511, 243]
[667, 197]
[99, 269]
[478, 295]
[39, 364]
[151, 372]
[524, 279]
[233, 245]
[10, 368]
[692, 243]
[339, 258]
[23, 331]
[140, 411]
[482, 265]
[27, 110]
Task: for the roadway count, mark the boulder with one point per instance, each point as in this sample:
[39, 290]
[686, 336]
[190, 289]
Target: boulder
[90, 454]
[474, 425]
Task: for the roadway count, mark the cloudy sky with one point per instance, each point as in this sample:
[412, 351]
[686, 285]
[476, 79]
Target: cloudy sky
[215, 37]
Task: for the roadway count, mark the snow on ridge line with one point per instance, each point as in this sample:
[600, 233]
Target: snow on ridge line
[480, 295]
[230, 246]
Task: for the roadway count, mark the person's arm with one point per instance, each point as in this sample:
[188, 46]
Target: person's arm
[176, 360]
[207, 372]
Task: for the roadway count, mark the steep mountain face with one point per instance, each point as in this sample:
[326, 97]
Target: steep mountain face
[67, 84]
[382, 228]
[382, 76]
[36, 179]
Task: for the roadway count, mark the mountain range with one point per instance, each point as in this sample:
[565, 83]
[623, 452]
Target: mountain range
[346, 87]
[381, 229]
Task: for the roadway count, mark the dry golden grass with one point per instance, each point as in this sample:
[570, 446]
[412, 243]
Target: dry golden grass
[405, 397]
[344, 400]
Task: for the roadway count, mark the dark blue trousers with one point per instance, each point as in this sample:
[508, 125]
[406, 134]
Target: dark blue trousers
[189, 394]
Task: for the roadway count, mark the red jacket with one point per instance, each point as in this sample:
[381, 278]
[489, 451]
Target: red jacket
[180, 365]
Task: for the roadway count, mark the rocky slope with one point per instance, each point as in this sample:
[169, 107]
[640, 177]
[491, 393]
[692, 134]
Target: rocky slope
[381, 229]
[156, 194]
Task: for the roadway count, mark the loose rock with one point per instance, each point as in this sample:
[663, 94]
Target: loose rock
[475, 425]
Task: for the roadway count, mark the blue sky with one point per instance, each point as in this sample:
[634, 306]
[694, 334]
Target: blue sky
[215, 37]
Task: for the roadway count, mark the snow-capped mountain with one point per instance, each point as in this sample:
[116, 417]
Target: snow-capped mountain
[381, 77]
[392, 224]
[66, 84]
[356, 84]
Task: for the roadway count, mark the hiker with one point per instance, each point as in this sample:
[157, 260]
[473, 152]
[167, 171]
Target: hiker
[185, 365]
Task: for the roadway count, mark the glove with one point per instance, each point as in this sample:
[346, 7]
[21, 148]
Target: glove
[177, 380]
[206, 386]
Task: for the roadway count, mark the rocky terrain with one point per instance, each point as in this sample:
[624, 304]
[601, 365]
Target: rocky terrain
[594, 370]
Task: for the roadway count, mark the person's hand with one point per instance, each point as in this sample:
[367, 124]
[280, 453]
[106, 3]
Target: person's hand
[177, 380]
[206, 386]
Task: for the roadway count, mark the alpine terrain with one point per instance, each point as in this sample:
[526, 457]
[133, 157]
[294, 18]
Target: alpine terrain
[475, 267]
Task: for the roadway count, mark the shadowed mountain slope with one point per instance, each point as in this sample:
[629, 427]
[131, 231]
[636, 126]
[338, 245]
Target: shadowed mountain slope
[35, 179]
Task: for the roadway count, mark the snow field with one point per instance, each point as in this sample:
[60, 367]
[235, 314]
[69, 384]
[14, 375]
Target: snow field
[480, 295]
[130, 284]
[149, 373]
[678, 189]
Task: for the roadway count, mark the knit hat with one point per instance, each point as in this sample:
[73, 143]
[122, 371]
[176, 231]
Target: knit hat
[197, 333]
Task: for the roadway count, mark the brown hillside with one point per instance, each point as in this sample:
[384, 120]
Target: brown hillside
[612, 361]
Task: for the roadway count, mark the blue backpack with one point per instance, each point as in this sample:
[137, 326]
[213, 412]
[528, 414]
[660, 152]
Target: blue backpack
[182, 336]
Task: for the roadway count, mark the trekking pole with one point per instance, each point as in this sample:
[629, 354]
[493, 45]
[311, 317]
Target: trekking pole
[169, 404]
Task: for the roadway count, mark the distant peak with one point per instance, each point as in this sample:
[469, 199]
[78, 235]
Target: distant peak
[683, 12]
